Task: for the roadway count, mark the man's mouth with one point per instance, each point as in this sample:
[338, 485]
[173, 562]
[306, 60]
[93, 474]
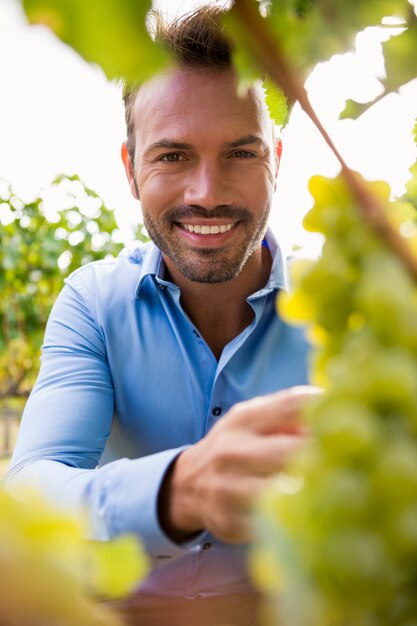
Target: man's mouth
[205, 229]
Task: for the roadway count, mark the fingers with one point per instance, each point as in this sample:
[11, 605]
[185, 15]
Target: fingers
[269, 455]
[280, 412]
[236, 481]
[255, 454]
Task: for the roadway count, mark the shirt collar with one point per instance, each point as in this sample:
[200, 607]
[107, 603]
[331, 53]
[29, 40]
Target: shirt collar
[278, 276]
[150, 258]
[153, 265]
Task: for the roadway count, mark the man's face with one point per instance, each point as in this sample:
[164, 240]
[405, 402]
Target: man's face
[204, 170]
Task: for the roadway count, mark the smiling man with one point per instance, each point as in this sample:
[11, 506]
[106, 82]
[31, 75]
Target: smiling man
[204, 166]
[169, 391]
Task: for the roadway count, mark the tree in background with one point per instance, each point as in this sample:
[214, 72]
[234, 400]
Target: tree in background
[41, 242]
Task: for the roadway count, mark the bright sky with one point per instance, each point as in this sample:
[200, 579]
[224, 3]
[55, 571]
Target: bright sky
[59, 114]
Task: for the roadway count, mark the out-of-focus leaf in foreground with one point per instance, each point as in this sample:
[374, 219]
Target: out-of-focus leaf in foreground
[50, 574]
[112, 34]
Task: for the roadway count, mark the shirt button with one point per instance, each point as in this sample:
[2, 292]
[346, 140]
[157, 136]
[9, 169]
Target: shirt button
[217, 411]
[207, 545]
[195, 333]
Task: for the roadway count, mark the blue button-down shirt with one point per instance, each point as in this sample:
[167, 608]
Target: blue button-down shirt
[126, 383]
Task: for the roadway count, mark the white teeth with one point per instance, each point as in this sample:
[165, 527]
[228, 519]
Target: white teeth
[207, 230]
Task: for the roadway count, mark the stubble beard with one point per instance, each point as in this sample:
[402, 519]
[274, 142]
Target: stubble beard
[208, 265]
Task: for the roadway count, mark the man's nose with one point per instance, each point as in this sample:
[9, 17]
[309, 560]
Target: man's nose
[208, 185]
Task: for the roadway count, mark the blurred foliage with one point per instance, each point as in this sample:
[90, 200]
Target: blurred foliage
[41, 242]
[306, 32]
[399, 66]
[51, 576]
[112, 33]
[108, 32]
[310, 31]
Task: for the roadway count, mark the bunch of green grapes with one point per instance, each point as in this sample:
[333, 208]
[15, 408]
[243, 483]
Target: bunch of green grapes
[50, 576]
[338, 531]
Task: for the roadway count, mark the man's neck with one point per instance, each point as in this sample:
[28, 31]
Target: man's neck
[219, 310]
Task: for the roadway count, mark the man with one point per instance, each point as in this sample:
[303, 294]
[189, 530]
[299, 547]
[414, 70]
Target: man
[148, 359]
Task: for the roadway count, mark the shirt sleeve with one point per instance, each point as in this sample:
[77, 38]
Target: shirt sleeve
[64, 429]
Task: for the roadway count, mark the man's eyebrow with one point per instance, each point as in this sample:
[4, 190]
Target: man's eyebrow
[246, 140]
[169, 144]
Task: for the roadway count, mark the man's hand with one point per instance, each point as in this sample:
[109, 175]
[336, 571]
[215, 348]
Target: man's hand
[213, 484]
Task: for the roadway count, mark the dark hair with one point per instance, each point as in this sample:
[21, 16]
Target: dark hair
[195, 40]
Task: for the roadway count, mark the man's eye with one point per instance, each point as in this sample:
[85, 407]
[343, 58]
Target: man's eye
[171, 157]
[243, 154]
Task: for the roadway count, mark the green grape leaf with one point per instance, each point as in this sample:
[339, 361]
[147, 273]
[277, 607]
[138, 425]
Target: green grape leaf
[112, 34]
[276, 102]
[354, 109]
[400, 52]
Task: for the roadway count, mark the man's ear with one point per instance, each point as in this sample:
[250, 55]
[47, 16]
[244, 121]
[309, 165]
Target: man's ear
[127, 162]
[278, 153]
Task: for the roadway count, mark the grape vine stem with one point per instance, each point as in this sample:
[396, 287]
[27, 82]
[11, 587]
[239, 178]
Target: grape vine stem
[265, 49]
